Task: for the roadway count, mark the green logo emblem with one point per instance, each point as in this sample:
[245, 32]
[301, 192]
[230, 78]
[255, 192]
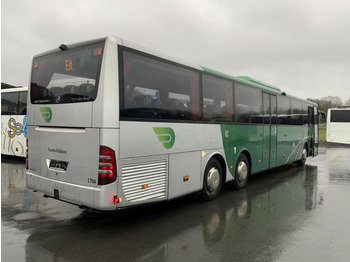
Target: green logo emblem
[46, 113]
[166, 136]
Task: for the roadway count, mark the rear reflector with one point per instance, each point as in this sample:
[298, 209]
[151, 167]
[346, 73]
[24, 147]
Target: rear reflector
[107, 166]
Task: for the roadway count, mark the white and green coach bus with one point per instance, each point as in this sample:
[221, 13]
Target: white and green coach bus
[113, 125]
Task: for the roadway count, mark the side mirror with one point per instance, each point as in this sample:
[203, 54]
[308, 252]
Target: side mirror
[322, 114]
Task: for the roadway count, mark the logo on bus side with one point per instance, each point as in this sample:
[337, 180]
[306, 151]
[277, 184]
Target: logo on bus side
[16, 128]
[166, 136]
[46, 113]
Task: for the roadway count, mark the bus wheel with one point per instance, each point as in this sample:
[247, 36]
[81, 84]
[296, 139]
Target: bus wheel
[242, 172]
[302, 161]
[212, 181]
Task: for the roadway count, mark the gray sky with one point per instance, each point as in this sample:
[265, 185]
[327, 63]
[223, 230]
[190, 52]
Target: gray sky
[301, 46]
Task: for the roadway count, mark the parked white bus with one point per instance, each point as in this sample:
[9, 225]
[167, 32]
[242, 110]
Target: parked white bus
[112, 125]
[338, 125]
[14, 121]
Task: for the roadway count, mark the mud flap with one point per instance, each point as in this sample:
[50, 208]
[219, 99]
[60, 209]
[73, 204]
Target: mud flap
[56, 194]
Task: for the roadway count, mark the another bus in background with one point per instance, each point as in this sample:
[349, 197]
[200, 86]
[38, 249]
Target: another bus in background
[338, 125]
[14, 121]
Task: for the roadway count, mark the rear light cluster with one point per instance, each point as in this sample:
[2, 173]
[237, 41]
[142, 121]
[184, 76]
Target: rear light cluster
[107, 166]
[27, 164]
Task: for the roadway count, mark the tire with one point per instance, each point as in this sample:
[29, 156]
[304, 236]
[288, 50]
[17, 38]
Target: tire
[242, 172]
[212, 180]
[302, 161]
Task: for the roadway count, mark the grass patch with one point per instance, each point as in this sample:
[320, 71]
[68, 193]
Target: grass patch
[322, 132]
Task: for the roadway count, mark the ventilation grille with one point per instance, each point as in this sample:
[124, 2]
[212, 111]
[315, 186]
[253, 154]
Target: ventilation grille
[135, 177]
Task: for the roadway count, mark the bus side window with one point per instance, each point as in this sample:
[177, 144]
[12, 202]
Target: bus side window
[161, 90]
[217, 99]
[249, 107]
[9, 102]
[305, 114]
[296, 112]
[283, 110]
[22, 103]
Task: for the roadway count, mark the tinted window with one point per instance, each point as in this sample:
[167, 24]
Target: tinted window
[155, 89]
[273, 109]
[217, 99]
[340, 116]
[22, 103]
[248, 104]
[311, 119]
[270, 108]
[9, 103]
[283, 110]
[297, 112]
[305, 114]
[267, 108]
[69, 76]
[316, 116]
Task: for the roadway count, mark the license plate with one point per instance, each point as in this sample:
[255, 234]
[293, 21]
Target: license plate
[58, 165]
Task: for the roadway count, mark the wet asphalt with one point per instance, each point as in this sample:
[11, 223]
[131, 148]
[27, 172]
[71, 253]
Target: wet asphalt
[289, 214]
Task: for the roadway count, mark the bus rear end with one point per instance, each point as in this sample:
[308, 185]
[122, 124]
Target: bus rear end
[69, 155]
[338, 125]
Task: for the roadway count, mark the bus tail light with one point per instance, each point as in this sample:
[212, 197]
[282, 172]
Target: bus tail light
[27, 162]
[116, 199]
[107, 171]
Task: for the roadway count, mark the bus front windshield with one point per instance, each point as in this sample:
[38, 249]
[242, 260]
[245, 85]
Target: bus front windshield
[69, 76]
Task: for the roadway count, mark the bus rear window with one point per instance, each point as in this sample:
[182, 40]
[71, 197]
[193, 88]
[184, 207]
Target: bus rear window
[341, 116]
[69, 76]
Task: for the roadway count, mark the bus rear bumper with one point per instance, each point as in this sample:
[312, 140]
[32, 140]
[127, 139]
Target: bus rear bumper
[100, 198]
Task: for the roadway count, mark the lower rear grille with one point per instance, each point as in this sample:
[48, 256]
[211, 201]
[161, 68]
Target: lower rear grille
[144, 181]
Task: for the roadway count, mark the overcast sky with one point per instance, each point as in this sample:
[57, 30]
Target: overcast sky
[301, 46]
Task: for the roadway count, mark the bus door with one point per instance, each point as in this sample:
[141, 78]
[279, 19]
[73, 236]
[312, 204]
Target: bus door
[270, 131]
[312, 134]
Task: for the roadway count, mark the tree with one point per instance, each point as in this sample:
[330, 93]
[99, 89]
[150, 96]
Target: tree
[325, 103]
[347, 103]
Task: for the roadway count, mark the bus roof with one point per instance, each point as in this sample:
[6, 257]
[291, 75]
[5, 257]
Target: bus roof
[343, 108]
[241, 79]
[254, 82]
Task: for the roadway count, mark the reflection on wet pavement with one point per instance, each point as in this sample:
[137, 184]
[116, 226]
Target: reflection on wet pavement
[289, 214]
